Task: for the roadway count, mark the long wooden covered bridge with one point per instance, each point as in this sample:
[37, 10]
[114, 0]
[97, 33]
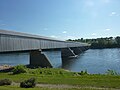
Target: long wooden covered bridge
[11, 41]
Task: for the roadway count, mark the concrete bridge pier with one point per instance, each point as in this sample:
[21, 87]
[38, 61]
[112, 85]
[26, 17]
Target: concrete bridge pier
[49, 58]
[67, 52]
[37, 58]
[72, 52]
[79, 50]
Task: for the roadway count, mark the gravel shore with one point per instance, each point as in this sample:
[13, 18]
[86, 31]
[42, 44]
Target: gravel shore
[4, 67]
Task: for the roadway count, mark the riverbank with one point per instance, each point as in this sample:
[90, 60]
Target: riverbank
[57, 78]
[5, 67]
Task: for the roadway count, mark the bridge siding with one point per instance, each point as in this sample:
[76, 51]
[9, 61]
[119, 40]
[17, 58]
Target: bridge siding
[15, 43]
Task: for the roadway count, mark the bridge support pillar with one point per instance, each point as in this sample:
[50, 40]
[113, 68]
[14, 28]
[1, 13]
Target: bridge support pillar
[72, 52]
[67, 52]
[37, 58]
[77, 50]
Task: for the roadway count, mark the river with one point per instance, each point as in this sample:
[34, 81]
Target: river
[95, 61]
[92, 60]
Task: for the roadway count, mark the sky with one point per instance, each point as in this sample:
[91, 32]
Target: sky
[62, 19]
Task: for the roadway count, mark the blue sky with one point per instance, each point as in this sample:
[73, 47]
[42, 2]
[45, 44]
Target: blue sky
[62, 19]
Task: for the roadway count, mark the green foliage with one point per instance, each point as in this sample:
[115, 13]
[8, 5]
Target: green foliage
[5, 82]
[111, 72]
[19, 69]
[83, 72]
[100, 43]
[30, 83]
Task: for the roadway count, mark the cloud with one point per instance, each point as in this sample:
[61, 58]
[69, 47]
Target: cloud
[94, 34]
[114, 14]
[108, 29]
[53, 36]
[64, 32]
[70, 37]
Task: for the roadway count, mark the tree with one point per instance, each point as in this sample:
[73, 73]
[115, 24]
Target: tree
[69, 40]
[117, 40]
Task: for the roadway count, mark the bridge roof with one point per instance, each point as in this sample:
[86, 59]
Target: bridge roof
[14, 33]
[19, 34]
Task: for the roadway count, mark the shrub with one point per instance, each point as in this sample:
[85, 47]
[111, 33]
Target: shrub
[111, 72]
[5, 82]
[19, 69]
[83, 72]
[30, 83]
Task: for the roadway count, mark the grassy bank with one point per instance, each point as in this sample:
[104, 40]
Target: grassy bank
[60, 76]
[41, 88]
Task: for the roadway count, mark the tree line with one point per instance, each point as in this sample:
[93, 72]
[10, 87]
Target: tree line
[100, 43]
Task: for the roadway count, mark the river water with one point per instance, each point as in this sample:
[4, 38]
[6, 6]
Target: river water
[95, 61]
[92, 60]
[14, 59]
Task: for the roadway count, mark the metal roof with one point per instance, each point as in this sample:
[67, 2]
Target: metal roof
[14, 33]
[19, 34]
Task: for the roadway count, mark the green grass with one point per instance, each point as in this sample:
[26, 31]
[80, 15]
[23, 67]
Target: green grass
[60, 76]
[40, 88]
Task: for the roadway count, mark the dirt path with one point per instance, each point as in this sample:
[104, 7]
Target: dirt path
[71, 86]
[66, 86]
